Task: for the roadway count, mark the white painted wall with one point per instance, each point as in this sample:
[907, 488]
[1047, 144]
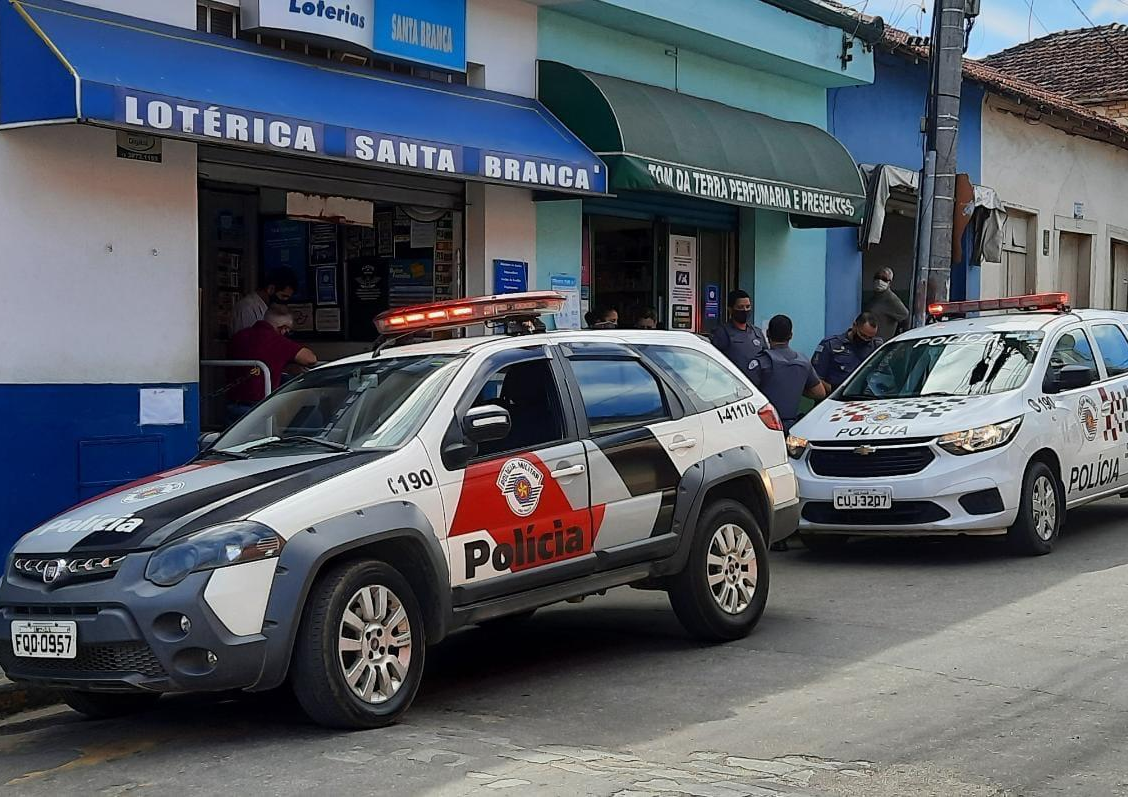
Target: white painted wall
[171, 12]
[501, 222]
[502, 35]
[1045, 171]
[73, 311]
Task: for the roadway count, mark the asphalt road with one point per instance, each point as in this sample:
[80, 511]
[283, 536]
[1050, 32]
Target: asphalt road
[899, 668]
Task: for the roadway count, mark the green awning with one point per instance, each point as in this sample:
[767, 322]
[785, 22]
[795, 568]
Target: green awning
[654, 139]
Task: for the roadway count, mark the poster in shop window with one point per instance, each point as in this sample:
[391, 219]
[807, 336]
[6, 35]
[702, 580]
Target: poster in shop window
[323, 245]
[366, 295]
[683, 281]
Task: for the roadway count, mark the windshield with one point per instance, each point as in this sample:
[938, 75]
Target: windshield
[965, 364]
[377, 404]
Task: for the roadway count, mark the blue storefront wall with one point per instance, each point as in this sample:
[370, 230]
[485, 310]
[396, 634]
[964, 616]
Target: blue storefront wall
[67, 443]
[880, 123]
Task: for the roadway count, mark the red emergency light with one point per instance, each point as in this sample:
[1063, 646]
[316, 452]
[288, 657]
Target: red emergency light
[462, 312]
[1033, 301]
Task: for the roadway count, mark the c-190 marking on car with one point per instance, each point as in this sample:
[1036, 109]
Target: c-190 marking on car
[993, 425]
[372, 506]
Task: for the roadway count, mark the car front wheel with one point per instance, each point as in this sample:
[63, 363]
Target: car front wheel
[1041, 512]
[358, 658]
[721, 593]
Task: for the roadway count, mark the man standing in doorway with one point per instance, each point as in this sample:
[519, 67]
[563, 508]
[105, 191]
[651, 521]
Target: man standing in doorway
[887, 306]
[783, 374]
[279, 288]
[740, 341]
[840, 355]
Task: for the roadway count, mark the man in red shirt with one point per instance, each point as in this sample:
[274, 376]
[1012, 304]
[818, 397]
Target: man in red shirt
[266, 341]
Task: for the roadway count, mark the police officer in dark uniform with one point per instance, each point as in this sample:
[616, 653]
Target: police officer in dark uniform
[783, 374]
[738, 339]
[840, 355]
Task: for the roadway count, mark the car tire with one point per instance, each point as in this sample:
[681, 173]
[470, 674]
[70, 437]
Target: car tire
[106, 705]
[359, 655]
[1041, 512]
[721, 593]
[825, 544]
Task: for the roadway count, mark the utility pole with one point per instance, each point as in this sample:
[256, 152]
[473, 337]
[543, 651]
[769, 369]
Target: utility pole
[936, 203]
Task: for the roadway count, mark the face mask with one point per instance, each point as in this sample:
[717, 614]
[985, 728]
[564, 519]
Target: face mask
[741, 316]
[880, 285]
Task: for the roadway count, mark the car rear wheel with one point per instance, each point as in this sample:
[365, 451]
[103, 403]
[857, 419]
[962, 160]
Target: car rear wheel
[1041, 512]
[105, 705]
[721, 593]
[358, 658]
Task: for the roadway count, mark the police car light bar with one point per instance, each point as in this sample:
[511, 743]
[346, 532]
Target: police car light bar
[462, 312]
[1034, 301]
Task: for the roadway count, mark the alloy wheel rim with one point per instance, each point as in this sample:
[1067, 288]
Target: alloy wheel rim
[731, 566]
[1044, 508]
[374, 644]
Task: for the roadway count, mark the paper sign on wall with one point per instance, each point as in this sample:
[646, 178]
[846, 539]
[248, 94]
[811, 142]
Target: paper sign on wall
[569, 315]
[161, 406]
[683, 281]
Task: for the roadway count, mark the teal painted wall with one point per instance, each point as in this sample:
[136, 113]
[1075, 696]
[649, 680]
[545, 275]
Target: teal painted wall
[586, 45]
[784, 269]
[559, 240]
[789, 276]
[746, 32]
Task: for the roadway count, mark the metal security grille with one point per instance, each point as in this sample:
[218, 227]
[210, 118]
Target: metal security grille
[91, 660]
[880, 462]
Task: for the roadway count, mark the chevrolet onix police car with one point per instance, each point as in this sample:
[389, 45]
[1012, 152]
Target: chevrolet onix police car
[989, 425]
[373, 505]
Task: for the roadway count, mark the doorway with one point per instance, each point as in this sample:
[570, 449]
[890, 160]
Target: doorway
[1118, 260]
[1075, 255]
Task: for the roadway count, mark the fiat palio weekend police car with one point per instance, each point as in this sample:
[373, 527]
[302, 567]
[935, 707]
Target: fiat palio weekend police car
[989, 425]
[373, 505]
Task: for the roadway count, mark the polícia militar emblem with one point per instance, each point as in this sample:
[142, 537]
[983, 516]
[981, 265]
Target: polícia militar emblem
[521, 483]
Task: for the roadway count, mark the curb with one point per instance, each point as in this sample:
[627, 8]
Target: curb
[15, 697]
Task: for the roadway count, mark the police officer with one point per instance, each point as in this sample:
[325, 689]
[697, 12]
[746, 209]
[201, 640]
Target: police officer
[739, 340]
[783, 374]
[840, 355]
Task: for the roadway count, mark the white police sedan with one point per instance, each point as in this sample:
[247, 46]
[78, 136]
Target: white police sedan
[996, 424]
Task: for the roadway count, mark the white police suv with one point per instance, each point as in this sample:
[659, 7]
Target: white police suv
[373, 505]
[990, 425]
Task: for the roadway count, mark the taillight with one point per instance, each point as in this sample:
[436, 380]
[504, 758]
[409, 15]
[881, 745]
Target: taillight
[770, 418]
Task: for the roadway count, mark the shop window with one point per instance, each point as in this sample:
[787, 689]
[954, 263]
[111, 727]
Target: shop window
[1114, 348]
[223, 20]
[622, 266]
[619, 394]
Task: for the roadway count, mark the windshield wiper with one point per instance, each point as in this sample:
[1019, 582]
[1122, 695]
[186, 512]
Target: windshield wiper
[299, 438]
[223, 452]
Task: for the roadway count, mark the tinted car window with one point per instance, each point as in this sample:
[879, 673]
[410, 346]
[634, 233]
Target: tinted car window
[707, 381]
[618, 394]
[1114, 348]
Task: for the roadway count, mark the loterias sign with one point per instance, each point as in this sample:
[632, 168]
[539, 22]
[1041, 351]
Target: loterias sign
[431, 32]
[180, 118]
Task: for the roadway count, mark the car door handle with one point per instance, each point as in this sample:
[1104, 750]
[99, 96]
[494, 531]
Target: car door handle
[564, 473]
[685, 442]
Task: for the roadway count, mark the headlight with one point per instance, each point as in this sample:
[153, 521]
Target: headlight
[219, 546]
[983, 438]
[796, 446]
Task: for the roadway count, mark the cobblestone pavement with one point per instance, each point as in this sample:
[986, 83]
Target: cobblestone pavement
[901, 668]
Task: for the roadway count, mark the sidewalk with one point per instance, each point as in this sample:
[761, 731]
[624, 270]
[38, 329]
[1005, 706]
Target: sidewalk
[17, 697]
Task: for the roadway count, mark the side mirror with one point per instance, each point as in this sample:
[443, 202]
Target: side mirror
[1070, 377]
[486, 424]
[207, 440]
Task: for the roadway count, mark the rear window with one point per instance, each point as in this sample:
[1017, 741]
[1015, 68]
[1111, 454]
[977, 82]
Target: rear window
[709, 383]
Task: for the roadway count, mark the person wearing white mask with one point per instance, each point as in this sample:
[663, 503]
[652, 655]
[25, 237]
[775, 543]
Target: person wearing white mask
[887, 305]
